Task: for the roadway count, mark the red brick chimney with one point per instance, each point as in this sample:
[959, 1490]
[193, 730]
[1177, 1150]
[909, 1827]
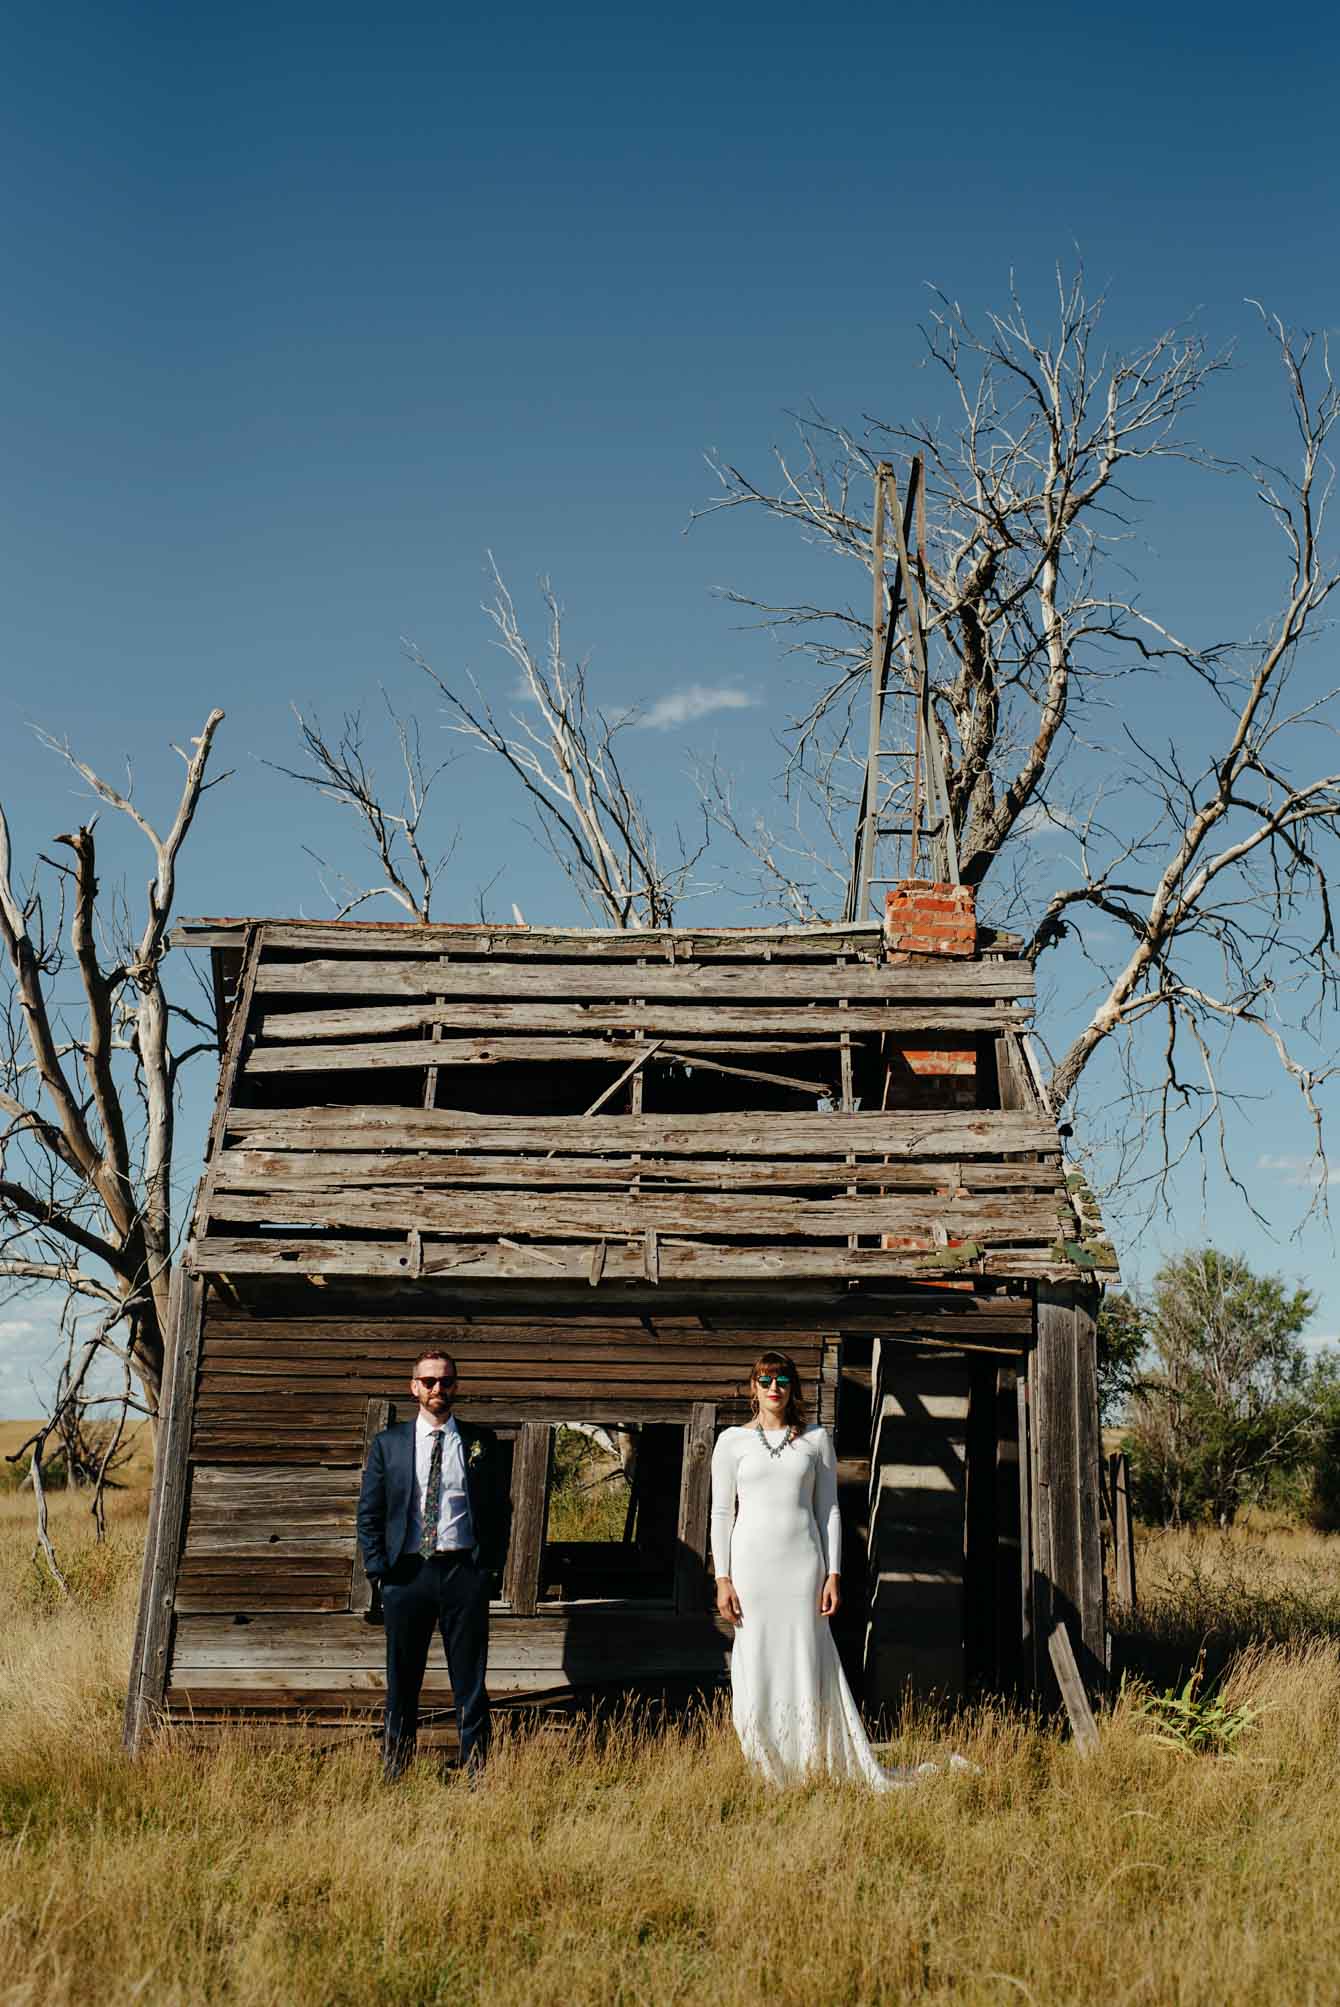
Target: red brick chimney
[923, 918]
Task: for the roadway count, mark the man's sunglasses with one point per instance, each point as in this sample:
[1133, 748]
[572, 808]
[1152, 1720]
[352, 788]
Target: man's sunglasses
[437, 1380]
[772, 1379]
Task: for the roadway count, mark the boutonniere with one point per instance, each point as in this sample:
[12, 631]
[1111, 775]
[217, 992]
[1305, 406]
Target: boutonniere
[475, 1453]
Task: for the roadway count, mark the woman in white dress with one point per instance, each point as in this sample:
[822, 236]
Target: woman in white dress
[777, 1552]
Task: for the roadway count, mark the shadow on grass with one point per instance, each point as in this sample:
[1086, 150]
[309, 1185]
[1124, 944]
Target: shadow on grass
[1223, 1595]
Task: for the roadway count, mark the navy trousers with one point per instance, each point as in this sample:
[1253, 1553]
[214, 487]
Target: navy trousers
[445, 1593]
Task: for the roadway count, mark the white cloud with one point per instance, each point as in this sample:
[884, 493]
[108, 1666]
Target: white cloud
[1298, 1170]
[1038, 818]
[31, 1352]
[694, 701]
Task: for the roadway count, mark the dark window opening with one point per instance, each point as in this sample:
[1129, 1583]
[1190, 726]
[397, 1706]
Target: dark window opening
[613, 1513]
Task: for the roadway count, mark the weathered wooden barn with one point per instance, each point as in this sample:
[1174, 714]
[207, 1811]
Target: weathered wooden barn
[604, 1170]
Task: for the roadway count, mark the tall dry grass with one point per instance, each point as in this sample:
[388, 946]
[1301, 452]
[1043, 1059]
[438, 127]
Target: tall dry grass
[650, 1867]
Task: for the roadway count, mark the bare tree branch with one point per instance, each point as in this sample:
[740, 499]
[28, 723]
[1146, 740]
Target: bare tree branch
[587, 812]
[87, 1092]
[1209, 861]
[341, 771]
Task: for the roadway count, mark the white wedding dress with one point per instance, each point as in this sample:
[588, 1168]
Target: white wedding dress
[776, 1532]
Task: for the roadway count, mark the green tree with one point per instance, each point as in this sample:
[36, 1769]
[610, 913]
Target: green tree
[1123, 1334]
[1231, 1400]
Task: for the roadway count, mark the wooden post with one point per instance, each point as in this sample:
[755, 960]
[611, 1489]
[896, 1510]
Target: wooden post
[230, 1067]
[1082, 1724]
[866, 837]
[694, 1506]
[167, 1513]
[1063, 1402]
[1123, 1529]
[530, 1512]
[1027, 1656]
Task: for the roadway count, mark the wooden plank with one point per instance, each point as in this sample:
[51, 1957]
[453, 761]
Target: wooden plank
[274, 1640]
[691, 1581]
[234, 1047]
[408, 968]
[554, 1366]
[149, 1675]
[249, 1170]
[934, 1133]
[244, 1435]
[1089, 1458]
[350, 1391]
[563, 1049]
[490, 1017]
[1013, 1078]
[229, 1495]
[278, 1353]
[1064, 1406]
[272, 1255]
[1027, 1649]
[1123, 1530]
[532, 1462]
[307, 1694]
[590, 985]
[942, 982]
[981, 1217]
[207, 1547]
[192, 1598]
[717, 1322]
[362, 938]
[1082, 1724]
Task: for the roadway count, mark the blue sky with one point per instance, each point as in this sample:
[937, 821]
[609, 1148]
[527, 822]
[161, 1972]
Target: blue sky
[307, 309]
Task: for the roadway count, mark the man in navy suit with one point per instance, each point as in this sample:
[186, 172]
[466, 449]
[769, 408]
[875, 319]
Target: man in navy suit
[432, 1527]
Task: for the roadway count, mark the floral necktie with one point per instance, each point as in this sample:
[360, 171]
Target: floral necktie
[432, 1503]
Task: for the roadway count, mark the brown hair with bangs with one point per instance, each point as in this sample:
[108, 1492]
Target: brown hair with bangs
[434, 1352]
[781, 1362]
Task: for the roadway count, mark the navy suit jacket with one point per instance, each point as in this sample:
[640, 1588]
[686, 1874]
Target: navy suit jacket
[386, 1499]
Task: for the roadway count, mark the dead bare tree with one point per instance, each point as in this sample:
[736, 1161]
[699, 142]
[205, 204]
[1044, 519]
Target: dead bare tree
[1209, 861]
[586, 810]
[88, 1094]
[340, 769]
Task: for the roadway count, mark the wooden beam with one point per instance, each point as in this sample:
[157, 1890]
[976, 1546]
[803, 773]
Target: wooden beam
[275, 1642]
[149, 1670]
[694, 1508]
[1123, 1530]
[706, 1020]
[770, 1133]
[268, 1170]
[531, 1466]
[686, 1263]
[991, 1219]
[581, 944]
[1028, 1653]
[945, 981]
[1082, 1724]
[1067, 1451]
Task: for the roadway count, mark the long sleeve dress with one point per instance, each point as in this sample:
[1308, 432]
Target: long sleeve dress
[776, 1532]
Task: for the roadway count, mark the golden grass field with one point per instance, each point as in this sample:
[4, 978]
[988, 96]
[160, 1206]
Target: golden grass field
[651, 1867]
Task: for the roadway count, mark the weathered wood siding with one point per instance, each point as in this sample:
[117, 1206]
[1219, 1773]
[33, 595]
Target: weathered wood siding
[265, 1599]
[439, 1103]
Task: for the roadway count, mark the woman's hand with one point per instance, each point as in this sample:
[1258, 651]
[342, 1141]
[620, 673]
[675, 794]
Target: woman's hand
[728, 1603]
[830, 1597]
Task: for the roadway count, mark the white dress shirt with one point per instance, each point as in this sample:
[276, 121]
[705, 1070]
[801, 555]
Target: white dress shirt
[455, 1532]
